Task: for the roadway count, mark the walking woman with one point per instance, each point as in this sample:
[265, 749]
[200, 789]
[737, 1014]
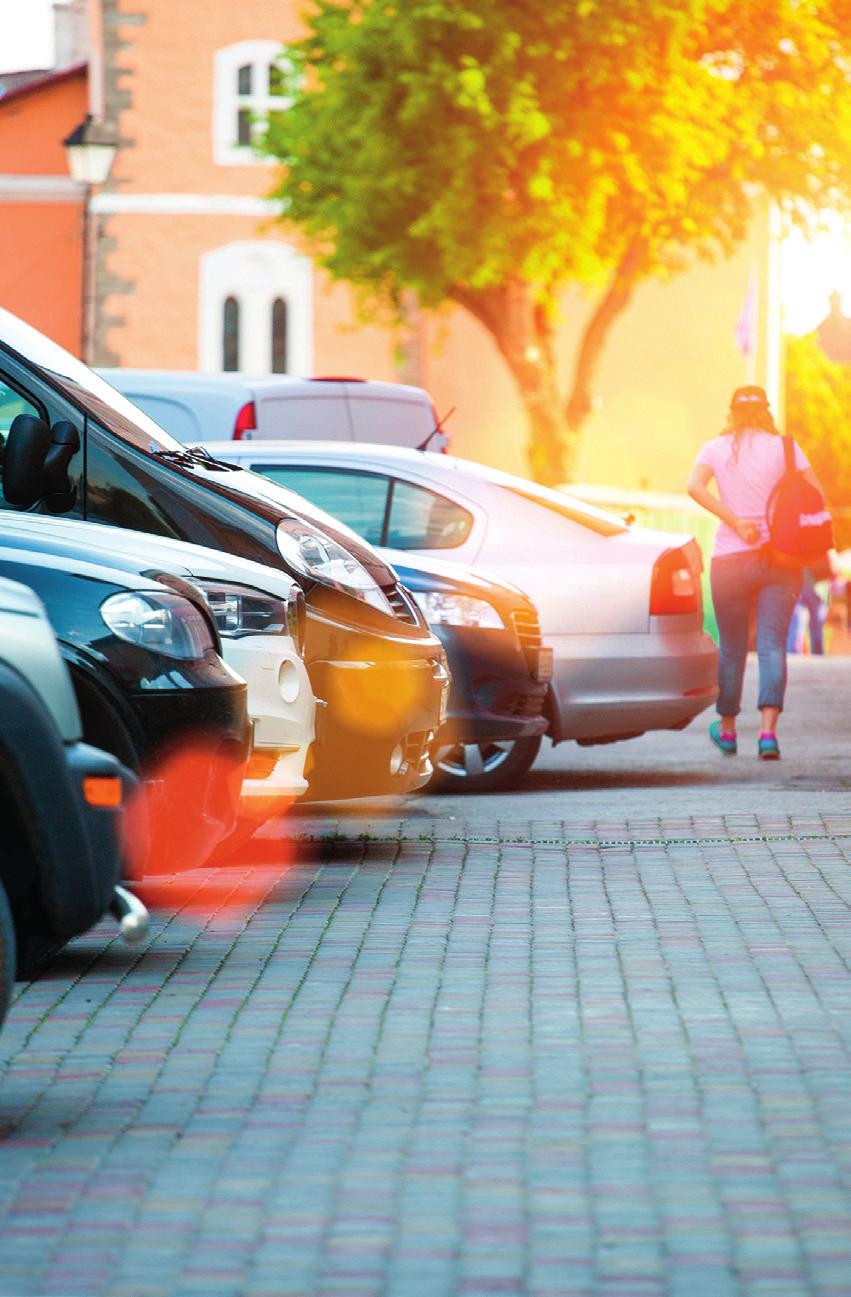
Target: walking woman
[746, 462]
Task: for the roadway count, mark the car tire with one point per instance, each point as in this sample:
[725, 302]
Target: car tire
[8, 954]
[483, 767]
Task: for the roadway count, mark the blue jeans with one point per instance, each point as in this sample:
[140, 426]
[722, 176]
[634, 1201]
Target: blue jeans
[741, 582]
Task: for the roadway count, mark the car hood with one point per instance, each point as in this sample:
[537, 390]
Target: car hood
[81, 560]
[142, 552]
[420, 574]
[277, 503]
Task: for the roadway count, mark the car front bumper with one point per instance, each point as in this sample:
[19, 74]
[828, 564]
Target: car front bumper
[610, 687]
[494, 695]
[192, 778]
[376, 726]
[282, 711]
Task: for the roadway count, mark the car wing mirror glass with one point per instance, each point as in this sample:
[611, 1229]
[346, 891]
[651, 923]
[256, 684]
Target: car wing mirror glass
[24, 456]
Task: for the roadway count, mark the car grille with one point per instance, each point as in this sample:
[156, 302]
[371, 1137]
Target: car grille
[529, 633]
[525, 706]
[402, 605]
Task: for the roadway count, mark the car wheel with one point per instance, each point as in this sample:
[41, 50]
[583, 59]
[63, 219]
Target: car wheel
[483, 767]
[8, 955]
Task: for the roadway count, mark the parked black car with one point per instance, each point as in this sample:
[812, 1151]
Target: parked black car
[150, 686]
[76, 447]
[61, 800]
[500, 673]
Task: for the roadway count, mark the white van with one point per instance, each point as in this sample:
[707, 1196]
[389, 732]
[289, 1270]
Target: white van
[219, 407]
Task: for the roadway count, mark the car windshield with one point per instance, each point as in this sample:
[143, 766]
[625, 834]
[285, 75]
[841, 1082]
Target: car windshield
[84, 386]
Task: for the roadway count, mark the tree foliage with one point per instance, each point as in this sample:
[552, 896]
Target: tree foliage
[818, 415]
[489, 152]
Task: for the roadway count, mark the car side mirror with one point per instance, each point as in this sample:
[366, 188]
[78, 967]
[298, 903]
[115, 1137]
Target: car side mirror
[59, 491]
[24, 456]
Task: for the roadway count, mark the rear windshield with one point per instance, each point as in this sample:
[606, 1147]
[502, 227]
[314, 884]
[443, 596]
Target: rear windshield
[585, 515]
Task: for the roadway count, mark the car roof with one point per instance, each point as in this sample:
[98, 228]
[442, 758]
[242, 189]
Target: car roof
[430, 464]
[165, 381]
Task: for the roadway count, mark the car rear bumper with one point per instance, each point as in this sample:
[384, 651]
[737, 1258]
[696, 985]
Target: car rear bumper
[609, 687]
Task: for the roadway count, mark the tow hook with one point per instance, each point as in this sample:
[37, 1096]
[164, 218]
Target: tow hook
[130, 914]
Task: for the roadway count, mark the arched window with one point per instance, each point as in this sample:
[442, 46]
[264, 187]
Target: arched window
[247, 91]
[255, 309]
[230, 334]
[279, 336]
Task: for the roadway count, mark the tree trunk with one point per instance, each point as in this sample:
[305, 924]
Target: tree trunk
[523, 333]
[412, 349]
[615, 300]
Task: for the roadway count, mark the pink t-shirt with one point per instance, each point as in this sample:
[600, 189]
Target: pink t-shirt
[745, 481]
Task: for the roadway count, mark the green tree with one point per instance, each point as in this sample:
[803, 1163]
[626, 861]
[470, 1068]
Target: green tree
[490, 152]
[818, 415]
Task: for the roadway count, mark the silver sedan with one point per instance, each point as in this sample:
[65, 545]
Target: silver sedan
[620, 605]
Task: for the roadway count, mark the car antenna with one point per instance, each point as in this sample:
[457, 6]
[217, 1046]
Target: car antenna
[438, 427]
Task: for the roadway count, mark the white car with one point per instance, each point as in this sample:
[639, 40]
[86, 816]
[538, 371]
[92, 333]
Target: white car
[249, 407]
[620, 606]
[257, 610]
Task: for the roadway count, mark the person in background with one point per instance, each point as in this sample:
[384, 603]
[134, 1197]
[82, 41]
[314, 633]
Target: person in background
[808, 614]
[746, 461]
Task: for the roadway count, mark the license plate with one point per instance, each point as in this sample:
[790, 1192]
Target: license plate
[544, 666]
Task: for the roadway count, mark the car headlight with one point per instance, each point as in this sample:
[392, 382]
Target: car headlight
[164, 623]
[458, 610]
[318, 556]
[239, 610]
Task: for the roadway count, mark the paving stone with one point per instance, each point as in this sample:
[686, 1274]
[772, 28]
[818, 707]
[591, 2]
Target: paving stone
[536, 1058]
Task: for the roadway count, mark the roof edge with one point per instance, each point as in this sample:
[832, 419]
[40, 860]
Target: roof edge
[42, 83]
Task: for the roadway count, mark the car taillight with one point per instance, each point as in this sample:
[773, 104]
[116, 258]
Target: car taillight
[674, 587]
[246, 422]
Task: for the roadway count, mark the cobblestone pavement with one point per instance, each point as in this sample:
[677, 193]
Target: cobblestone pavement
[601, 1058]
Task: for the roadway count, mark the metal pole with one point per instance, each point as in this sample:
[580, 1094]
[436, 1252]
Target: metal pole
[85, 323]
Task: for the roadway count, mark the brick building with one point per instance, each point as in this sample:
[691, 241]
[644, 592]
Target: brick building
[193, 271]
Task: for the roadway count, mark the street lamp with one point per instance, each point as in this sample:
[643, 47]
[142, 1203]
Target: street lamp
[90, 150]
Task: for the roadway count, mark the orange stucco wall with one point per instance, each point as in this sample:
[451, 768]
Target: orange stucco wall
[41, 266]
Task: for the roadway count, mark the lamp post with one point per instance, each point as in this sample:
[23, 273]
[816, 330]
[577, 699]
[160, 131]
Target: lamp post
[90, 150]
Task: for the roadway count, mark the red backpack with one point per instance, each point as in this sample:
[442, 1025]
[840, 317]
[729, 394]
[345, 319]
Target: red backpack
[800, 530]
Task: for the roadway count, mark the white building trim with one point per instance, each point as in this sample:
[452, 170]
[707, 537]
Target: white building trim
[255, 272]
[256, 57]
[185, 204]
[40, 189]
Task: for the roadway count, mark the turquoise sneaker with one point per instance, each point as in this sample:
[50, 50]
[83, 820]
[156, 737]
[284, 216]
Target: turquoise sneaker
[726, 743]
[768, 747]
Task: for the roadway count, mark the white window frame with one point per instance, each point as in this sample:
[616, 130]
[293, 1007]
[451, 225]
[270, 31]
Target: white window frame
[255, 272]
[259, 56]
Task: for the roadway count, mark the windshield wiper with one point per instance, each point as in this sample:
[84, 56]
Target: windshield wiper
[196, 457]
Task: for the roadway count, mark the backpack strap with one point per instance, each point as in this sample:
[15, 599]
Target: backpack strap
[789, 454]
